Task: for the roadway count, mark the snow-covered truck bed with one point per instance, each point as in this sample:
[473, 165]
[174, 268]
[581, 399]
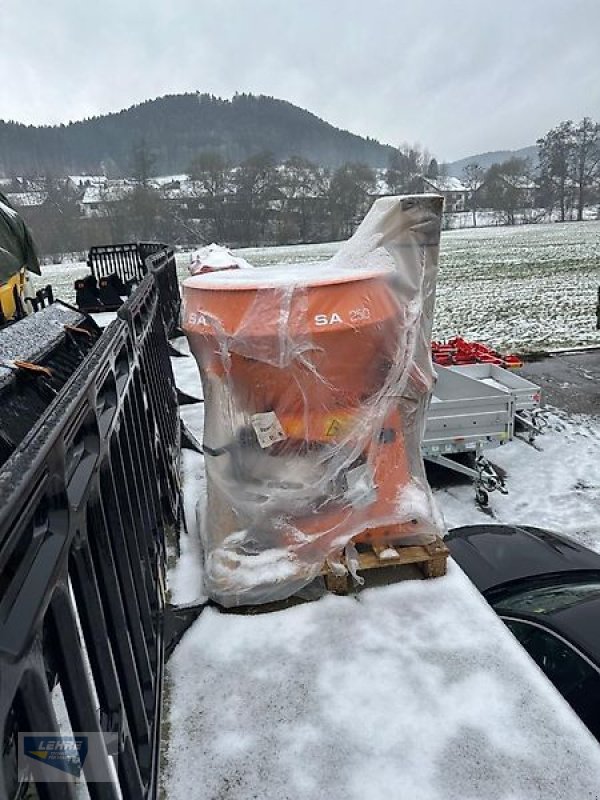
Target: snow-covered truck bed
[414, 690]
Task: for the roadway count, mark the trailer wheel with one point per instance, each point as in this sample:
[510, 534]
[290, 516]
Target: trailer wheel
[481, 497]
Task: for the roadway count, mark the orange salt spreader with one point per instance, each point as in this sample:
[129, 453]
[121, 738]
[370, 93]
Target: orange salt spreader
[301, 373]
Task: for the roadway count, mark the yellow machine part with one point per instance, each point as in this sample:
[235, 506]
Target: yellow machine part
[7, 298]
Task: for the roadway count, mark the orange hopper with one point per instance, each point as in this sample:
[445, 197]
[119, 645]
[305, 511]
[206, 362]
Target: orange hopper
[306, 368]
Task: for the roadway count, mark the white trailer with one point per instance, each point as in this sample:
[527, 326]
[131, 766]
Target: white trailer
[527, 395]
[474, 408]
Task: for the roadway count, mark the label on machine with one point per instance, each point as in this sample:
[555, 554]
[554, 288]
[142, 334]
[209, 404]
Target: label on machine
[267, 428]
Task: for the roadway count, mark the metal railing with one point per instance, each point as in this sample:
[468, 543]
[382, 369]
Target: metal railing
[85, 501]
[124, 260]
[115, 271]
[161, 264]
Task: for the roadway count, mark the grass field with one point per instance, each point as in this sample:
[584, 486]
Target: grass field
[523, 288]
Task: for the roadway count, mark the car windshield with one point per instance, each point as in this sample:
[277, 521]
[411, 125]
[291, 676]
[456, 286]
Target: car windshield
[545, 599]
[576, 679]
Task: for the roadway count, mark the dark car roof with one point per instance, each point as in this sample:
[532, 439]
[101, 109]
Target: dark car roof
[496, 555]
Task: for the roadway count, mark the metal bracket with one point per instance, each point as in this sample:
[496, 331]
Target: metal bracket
[176, 333]
[176, 621]
[532, 422]
[484, 476]
[455, 466]
[175, 353]
[188, 440]
[185, 399]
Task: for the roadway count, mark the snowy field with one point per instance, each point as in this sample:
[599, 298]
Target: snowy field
[413, 690]
[524, 288]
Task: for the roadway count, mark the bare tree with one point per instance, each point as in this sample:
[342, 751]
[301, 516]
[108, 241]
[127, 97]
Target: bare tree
[586, 161]
[56, 221]
[556, 158]
[472, 178]
[211, 172]
[304, 187]
[349, 197]
[405, 169]
[257, 189]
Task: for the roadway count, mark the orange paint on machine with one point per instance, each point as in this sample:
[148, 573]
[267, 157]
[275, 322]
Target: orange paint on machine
[315, 378]
[315, 357]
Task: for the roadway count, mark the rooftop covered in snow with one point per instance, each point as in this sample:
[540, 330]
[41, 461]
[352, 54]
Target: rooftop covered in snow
[27, 199]
[446, 184]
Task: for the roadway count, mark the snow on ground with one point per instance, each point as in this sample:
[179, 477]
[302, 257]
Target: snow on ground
[525, 288]
[186, 585]
[62, 277]
[186, 372]
[486, 218]
[413, 690]
[555, 485]
[185, 576]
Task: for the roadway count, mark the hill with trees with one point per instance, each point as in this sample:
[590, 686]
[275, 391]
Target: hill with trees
[174, 129]
[487, 160]
[265, 199]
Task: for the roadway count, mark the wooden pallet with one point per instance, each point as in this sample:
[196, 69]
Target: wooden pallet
[430, 559]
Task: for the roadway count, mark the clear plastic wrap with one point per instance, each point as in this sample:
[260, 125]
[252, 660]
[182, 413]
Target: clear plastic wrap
[316, 379]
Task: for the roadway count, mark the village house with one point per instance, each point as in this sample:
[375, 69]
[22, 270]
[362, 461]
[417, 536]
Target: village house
[96, 200]
[525, 188]
[78, 183]
[456, 195]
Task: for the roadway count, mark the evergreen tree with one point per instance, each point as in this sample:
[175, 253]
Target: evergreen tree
[503, 187]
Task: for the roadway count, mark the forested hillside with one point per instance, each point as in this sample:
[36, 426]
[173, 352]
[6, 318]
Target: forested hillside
[487, 160]
[175, 129]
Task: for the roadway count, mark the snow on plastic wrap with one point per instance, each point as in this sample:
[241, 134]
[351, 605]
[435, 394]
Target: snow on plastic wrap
[316, 379]
[213, 257]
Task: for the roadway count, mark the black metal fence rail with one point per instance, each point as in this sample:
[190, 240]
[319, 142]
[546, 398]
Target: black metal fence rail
[123, 260]
[163, 267]
[84, 504]
[116, 269]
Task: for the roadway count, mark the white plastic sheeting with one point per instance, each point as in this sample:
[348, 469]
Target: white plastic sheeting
[315, 380]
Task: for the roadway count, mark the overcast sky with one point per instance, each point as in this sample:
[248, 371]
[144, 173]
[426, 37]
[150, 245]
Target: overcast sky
[458, 76]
